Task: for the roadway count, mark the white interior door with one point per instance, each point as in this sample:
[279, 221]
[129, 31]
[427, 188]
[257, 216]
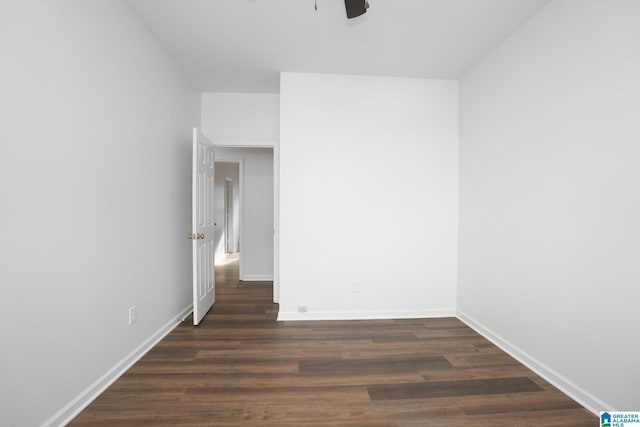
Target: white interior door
[203, 226]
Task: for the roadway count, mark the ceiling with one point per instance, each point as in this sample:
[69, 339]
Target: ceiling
[242, 45]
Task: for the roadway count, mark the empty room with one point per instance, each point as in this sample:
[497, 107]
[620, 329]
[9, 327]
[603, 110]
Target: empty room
[319, 212]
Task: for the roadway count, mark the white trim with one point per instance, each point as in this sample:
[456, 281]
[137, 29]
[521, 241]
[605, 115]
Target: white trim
[583, 397]
[228, 159]
[241, 243]
[257, 278]
[73, 408]
[366, 315]
[229, 236]
[257, 143]
[276, 224]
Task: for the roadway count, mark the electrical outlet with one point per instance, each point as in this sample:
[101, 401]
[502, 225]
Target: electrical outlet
[133, 314]
[302, 309]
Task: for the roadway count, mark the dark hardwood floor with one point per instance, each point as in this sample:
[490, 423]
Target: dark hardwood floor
[242, 367]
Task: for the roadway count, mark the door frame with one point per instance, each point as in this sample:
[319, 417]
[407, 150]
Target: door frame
[240, 163]
[228, 214]
[276, 204]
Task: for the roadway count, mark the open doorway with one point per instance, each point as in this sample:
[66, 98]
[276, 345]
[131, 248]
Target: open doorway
[245, 214]
[230, 243]
[227, 210]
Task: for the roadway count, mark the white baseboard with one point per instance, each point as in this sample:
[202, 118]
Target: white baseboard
[586, 399]
[365, 315]
[257, 278]
[583, 397]
[73, 408]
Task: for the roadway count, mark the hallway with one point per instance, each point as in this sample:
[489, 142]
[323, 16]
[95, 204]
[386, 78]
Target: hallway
[236, 300]
[242, 367]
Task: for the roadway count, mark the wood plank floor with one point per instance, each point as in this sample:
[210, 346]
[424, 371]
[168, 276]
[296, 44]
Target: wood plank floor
[242, 367]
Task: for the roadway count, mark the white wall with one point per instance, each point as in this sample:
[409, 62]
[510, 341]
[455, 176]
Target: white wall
[222, 172]
[368, 196]
[550, 200]
[241, 118]
[95, 194]
[256, 210]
